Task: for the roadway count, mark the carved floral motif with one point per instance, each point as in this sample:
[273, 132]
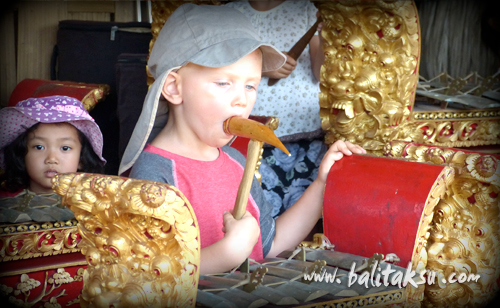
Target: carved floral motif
[464, 235]
[21, 294]
[420, 256]
[140, 239]
[369, 78]
[21, 242]
[370, 71]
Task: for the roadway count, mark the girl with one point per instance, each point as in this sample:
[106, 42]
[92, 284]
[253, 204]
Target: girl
[39, 138]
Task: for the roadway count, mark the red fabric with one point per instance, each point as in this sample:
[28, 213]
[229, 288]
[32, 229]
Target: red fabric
[4, 193]
[209, 193]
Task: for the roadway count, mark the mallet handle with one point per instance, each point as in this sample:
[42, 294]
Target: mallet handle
[253, 153]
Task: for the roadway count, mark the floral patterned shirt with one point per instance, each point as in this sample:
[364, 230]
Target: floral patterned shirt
[293, 100]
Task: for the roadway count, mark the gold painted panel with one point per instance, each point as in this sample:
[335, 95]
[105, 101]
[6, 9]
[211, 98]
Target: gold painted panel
[140, 239]
[370, 73]
[33, 239]
[464, 235]
[369, 77]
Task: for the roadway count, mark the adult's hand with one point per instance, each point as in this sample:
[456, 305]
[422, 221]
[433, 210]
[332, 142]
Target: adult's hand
[283, 71]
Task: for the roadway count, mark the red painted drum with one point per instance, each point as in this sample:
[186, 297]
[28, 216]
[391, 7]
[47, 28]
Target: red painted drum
[382, 205]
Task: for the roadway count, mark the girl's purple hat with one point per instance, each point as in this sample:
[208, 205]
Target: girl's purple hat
[50, 109]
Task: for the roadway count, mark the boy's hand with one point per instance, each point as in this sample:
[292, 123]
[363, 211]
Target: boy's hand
[283, 71]
[237, 244]
[335, 153]
[243, 234]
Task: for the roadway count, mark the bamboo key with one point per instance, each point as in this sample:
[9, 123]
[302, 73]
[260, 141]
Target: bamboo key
[258, 133]
[299, 47]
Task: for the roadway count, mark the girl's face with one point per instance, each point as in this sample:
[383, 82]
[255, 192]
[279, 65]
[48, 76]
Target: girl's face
[52, 148]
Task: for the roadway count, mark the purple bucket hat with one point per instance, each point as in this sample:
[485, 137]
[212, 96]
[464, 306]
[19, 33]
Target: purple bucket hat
[50, 109]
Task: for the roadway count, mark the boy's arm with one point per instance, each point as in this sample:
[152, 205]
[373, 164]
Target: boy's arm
[239, 239]
[295, 223]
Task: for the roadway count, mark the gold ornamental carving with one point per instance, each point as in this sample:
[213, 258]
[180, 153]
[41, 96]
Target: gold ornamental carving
[33, 239]
[464, 235]
[140, 239]
[370, 73]
[93, 97]
[452, 133]
[20, 295]
[369, 77]
[420, 253]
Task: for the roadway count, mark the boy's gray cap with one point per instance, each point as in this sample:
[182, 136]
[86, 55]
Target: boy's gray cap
[207, 35]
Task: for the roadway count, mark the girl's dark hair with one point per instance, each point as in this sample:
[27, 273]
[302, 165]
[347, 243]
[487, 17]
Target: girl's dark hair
[89, 161]
[15, 176]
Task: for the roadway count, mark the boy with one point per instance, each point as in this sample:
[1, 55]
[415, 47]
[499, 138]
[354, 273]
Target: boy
[207, 64]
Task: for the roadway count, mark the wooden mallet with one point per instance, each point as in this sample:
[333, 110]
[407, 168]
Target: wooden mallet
[258, 133]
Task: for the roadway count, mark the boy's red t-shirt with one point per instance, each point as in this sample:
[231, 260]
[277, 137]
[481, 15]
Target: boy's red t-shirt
[209, 193]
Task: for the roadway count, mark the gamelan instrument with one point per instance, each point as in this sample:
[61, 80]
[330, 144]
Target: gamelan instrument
[89, 94]
[140, 243]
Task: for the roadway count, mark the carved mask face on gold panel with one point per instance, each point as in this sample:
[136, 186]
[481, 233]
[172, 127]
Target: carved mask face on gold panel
[370, 71]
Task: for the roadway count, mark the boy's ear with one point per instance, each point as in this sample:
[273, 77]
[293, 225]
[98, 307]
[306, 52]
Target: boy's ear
[171, 89]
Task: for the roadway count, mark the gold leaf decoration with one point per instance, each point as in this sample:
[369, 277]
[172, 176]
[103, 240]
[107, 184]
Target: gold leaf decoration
[464, 235]
[369, 78]
[370, 71]
[140, 239]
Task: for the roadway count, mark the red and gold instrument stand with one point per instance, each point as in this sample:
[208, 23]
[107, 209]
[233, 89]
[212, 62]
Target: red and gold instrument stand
[436, 208]
[88, 94]
[41, 265]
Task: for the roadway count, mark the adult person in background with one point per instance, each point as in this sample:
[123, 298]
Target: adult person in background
[293, 99]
